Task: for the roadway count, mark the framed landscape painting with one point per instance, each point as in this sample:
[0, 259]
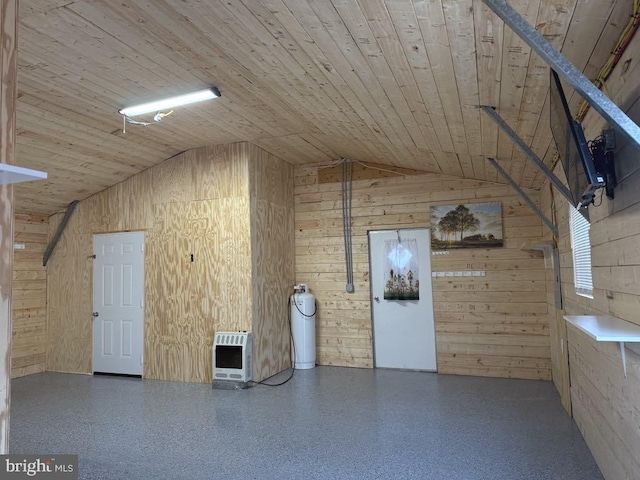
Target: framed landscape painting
[472, 225]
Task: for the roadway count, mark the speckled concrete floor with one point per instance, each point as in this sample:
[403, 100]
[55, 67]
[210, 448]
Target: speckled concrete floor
[327, 423]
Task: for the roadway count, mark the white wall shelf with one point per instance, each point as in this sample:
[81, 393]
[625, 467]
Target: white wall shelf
[13, 174]
[605, 328]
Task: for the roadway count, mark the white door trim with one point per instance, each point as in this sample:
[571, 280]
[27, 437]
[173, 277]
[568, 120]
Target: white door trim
[424, 360]
[118, 328]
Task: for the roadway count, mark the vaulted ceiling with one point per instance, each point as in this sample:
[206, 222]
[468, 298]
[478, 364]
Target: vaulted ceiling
[394, 82]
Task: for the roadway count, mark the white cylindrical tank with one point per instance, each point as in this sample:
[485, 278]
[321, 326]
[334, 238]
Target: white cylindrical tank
[303, 328]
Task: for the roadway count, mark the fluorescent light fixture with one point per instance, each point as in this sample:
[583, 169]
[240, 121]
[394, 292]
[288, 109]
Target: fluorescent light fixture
[172, 102]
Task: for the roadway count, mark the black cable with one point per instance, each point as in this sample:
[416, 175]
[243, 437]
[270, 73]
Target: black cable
[293, 343]
[315, 308]
[293, 350]
[594, 204]
[604, 164]
[264, 384]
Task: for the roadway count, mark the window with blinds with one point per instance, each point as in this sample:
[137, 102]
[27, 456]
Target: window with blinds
[581, 249]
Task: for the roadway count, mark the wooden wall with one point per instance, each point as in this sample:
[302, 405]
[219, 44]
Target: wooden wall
[196, 203]
[8, 92]
[495, 325]
[605, 404]
[188, 301]
[557, 325]
[69, 295]
[29, 296]
[272, 258]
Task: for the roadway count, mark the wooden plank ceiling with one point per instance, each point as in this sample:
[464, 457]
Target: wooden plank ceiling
[394, 82]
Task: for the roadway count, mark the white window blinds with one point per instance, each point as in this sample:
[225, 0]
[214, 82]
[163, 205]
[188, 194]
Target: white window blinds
[581, 249]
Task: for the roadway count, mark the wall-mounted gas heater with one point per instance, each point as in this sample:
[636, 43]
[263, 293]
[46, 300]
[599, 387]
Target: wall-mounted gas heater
[232, 366]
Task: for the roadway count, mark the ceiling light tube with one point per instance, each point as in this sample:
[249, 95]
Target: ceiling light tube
[169, 103]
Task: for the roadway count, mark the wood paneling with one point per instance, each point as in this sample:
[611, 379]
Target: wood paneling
[8, 72]
[496, 325]
[382, 81]
[69, 293]
[272, 260]
[29, 296]
[188, 301]
[363, 171]
[199, 204]
[557, 324]
[604, 402]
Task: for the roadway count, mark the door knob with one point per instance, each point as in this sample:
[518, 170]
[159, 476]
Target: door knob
[95, 314]
[377, 299]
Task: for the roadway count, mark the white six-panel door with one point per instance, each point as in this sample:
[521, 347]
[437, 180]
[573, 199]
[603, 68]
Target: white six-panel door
[118, 293]
[403, 329]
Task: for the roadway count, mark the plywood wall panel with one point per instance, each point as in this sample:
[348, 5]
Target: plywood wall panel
[196, 204]
[273, 259]
[499, 321]
[69, 294]
[271, 178]
[222, 172]
[189, 300]
[233, 254]
[29, 296]
[136, 214]
[172, 180]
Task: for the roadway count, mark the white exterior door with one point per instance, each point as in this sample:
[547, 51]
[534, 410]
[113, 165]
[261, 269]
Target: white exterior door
[402, 299]
[118, 292]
